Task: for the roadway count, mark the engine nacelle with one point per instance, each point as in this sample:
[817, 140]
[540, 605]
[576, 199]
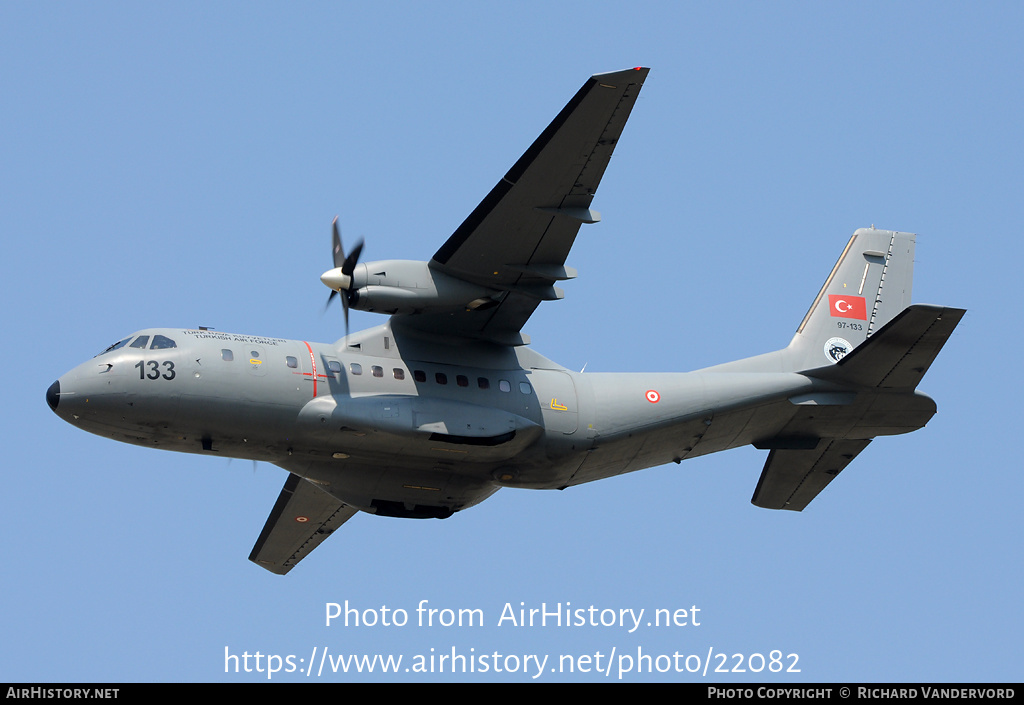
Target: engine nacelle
[409, 286]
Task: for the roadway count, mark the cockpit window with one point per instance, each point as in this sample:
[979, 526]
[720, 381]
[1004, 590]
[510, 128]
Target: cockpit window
[141, 342]
[115, 346]
[162, 342]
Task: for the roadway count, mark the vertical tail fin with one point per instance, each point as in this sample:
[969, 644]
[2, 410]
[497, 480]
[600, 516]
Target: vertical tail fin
[867, 288]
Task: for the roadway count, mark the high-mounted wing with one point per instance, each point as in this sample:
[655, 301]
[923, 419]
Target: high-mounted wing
[517, 240]
[302, 518]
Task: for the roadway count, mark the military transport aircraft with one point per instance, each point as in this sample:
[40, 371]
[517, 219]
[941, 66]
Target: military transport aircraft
[438, 408]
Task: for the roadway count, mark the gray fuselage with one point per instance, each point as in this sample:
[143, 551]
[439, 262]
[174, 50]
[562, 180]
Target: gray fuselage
[385, 424]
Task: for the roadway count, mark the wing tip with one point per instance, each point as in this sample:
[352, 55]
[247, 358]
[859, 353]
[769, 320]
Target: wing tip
[270, 566]
[630, 73]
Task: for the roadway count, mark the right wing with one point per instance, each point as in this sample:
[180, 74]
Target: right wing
[302, 518]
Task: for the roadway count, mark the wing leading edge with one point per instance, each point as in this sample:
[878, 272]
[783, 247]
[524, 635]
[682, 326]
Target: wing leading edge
[517, 240]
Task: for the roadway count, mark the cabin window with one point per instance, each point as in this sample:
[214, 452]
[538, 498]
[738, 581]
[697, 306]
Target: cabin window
[377, 371]
[162, 342]
[483, 383]
[504, 386]
[334, 368]
[226, 355]
[355, 368]
[524, 387]
[462, 380]
[441, 378]
[399, 373]
[292, 361]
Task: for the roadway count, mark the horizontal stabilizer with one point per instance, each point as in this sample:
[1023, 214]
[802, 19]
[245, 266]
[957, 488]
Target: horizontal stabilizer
[302, 518]
[792, 478]
[898, 355]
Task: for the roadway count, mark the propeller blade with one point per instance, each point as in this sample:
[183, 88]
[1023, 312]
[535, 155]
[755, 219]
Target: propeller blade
[347, 264]
[344, 307]
[338, 252]
[353, 258]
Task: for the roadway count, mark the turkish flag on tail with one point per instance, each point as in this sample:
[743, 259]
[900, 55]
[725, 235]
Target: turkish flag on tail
[843, 306]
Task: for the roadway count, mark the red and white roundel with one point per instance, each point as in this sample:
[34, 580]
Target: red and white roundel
[653, 396]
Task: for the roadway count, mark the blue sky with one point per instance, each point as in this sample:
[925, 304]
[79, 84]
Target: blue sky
[180, 166]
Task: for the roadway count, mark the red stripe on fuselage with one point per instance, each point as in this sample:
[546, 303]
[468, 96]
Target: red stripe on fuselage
[312, 361]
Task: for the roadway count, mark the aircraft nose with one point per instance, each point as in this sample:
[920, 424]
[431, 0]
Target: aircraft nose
[53, 395]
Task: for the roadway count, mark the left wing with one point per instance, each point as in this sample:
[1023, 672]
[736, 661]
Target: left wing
[302, 518]
[517, 240]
